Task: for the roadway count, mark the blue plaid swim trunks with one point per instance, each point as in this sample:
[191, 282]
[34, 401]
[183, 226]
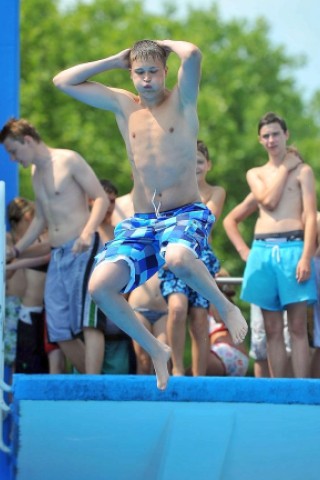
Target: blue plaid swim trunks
[170, 283]
[142, 240]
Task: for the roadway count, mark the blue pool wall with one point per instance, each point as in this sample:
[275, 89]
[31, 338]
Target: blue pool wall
[123, 428]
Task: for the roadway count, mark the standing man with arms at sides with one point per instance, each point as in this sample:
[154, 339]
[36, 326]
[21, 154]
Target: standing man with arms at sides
[279, 273]
[62, 182]
[160, 129]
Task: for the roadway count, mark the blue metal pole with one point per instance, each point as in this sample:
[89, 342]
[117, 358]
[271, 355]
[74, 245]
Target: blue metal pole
[9, 85]
[9, 107]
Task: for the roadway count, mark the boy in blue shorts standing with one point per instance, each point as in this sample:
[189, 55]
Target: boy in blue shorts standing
[160, 129]
[279, 273]
[62, 182]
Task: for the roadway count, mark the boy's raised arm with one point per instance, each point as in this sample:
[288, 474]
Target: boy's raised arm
[190, 68]
[74, 81]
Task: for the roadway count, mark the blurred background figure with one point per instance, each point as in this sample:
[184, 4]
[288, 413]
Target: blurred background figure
[151, 309]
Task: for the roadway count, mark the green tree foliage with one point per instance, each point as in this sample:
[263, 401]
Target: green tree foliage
[244, 75]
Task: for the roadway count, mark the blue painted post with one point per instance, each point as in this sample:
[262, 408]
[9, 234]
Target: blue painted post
[9, 85]
[9, 107]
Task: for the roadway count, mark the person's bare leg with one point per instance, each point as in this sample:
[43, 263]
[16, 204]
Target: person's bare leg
[57, 361]
[261, 369]
[315, 364]
[300, 350]
[277, 355]
[194, 273]
[159, 329]
[74, 350]
[106, 282]
[143, 359]
[176, 330]
[94, 343]
[199, 340]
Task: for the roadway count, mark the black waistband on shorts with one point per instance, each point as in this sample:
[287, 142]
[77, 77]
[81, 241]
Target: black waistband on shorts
[289, 236]
[172, 212]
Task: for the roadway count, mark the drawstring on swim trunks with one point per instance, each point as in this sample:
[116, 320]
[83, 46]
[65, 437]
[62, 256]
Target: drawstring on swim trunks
[276, 253]
[57, 254]
[156, 207]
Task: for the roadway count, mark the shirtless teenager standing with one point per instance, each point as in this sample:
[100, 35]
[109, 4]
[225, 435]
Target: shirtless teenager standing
[279, 273]
[160, 129]
[62, 182]
[258, 339]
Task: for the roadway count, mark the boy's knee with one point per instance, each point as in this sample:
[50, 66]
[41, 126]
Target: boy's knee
[96, 286]
[178, 313]
[298, 329]
[102, 284]
[92, 287]
[177, 259]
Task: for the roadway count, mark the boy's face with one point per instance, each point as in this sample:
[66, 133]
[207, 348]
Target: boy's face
[19, 152]
[148, 76]
[273, 139]
[112, 200]
[203, 166]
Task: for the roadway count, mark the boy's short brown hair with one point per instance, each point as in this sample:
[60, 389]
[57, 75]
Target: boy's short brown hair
[202, 147]
[17, 129]
[271, 117]
[144, 49]
[108, 186]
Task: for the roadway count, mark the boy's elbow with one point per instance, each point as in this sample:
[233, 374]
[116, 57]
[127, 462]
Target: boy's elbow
[192, 51]
[58, 81]
[269, 204]
[196, 52]
[225, 223]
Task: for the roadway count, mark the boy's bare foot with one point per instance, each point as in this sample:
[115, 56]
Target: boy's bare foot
[236, 325]
[160, 363]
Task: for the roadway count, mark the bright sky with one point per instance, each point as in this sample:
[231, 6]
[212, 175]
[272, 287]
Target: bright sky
[293, 23]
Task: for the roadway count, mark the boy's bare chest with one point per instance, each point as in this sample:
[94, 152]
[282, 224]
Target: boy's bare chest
[53, 183]
[160, 122]
[291, 185]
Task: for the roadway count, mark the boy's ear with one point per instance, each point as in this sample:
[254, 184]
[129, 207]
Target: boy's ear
[28, 139]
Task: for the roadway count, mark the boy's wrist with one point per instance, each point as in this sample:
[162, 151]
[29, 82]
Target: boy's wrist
[16, 252]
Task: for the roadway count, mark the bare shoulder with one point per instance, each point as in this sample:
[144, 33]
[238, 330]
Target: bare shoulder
[305, 168]
[305, 172]
[68, 159]
[123, 208]
[125, 94]
[64, 154]
[255, 171]
[214, 197]
[217, 189]
[127, 101]
[214, 191]
[124, 199]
